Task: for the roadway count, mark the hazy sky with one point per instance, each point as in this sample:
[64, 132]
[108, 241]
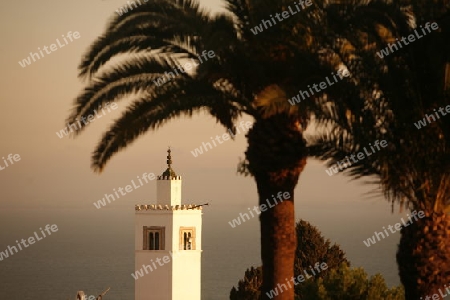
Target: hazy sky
[56, 172]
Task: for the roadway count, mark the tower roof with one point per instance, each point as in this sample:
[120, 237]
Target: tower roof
[169, 172]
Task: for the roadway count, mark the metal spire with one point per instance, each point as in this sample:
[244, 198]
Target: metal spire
[169, 172]
[169, 158]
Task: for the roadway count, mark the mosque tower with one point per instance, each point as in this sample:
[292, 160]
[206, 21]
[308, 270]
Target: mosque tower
[168, 243]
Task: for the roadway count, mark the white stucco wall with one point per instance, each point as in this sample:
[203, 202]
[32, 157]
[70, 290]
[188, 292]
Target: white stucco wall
[186, 275]
[180, 278]
[168, 191]
[157, 284]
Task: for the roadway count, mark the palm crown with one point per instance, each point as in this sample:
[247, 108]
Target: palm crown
[388, 98]
[248, 74]
[159, 36]
[257, 74]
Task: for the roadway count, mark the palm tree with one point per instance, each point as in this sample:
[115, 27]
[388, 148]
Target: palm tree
[248, 74]
[388, 97]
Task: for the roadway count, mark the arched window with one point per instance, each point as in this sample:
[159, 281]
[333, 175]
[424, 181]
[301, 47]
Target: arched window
[187, 238]
[153, 238]
[187, 244]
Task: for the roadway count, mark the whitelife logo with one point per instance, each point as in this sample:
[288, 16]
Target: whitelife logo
[225, 137]
[259, 209]
[423, 122]
[15, 157]
[319, 87]
[187, 66]
[411, 38]
[123, 10]
[398, 227]
[65, 132]
[128, 189]
[318, 267]
[31, 240]
[345, 163]
[148, 268]
[436, 296]
[27, 61]
[285, 14]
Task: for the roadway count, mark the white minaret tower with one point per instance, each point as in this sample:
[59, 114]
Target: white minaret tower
[168, 243]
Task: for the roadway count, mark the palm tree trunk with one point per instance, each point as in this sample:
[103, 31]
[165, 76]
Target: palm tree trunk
[423, 256]
[278, 241]
[276, 156]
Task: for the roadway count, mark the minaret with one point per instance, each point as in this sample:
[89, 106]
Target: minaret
[168, 185]
[168, 244]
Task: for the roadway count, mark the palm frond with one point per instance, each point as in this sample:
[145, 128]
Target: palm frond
[137, 75]
[176, 98]
[148, 27]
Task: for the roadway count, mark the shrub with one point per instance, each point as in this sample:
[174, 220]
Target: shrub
[345, 283]
[337, 282]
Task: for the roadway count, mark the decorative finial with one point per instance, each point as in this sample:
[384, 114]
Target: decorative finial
[169, 172]
[169, 158]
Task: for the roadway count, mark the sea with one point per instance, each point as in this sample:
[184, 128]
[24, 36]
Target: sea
[93, 249]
